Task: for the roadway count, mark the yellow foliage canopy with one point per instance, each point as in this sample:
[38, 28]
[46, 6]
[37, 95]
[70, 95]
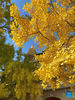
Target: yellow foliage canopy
[57, 62]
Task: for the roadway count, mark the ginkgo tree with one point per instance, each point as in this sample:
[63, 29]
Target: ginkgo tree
[49, 18]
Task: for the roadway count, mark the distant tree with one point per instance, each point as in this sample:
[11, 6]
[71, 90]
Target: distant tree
[6, 56]
[20, 79]
[6, 52]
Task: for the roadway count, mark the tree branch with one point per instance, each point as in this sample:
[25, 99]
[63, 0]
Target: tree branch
[43, 36]
[69, 24]
[51, 4]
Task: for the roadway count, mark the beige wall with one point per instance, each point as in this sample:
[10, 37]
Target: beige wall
[60, 93]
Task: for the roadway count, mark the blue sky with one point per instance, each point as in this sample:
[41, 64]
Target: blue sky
[27, 45]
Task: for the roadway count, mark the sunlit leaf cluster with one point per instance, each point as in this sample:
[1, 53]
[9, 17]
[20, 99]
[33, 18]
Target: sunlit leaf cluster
[49, 17]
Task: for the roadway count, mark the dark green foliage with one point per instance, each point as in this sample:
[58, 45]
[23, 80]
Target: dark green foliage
[6, 52]
[5, 15]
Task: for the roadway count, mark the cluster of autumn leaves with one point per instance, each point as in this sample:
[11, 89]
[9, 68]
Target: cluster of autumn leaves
[52, 23]
[58, 60]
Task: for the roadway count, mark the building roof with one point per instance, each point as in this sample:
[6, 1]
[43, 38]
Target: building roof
[31, 51]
